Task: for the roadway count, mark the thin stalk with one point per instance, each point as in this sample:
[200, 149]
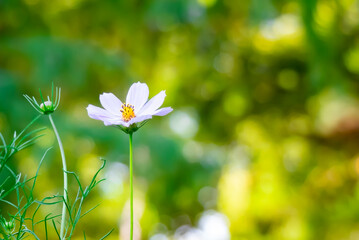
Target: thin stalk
[63, 217]
[131, 187]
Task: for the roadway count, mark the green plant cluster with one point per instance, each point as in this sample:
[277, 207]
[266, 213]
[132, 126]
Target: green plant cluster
[20, 221]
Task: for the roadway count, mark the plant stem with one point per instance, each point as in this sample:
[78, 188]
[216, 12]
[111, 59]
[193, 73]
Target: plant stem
[63, 217]
[131, 187]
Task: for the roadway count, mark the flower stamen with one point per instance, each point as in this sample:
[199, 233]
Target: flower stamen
[128, 112]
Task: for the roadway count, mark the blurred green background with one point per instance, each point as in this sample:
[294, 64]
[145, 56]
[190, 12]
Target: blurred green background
[263, 142]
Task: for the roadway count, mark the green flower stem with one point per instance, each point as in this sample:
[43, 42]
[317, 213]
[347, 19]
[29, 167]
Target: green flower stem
[63, 217]
[131, 186]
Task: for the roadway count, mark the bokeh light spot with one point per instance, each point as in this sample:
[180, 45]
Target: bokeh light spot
[183, 123]
[288, 79]
[235, 104]
[207, 3]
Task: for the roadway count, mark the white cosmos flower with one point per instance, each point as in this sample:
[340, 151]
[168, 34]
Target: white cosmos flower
[136, 108]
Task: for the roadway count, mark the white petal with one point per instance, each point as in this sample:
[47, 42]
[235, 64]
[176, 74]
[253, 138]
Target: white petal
[154, 103]
[139, 119]
[98, 113]
[137, 95]
[110, 122]
[111, 103]
[105, 116]
[115, 122]
[163, 111]
[125, 124]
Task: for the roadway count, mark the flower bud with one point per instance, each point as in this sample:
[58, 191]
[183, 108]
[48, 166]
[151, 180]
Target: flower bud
[48, 104]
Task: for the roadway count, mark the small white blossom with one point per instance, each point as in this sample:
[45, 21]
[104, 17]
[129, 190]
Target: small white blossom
[136, 108]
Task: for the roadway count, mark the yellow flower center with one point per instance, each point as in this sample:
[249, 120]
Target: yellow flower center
[128, 112]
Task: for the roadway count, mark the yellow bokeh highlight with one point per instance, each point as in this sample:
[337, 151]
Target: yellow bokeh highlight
[48, 140]
[234, 196]
[207, 3]
[235, 104]
[347, 3]
[351, 60]
[294, 228]
[88, 165]
[278, 35]
[324, 16]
